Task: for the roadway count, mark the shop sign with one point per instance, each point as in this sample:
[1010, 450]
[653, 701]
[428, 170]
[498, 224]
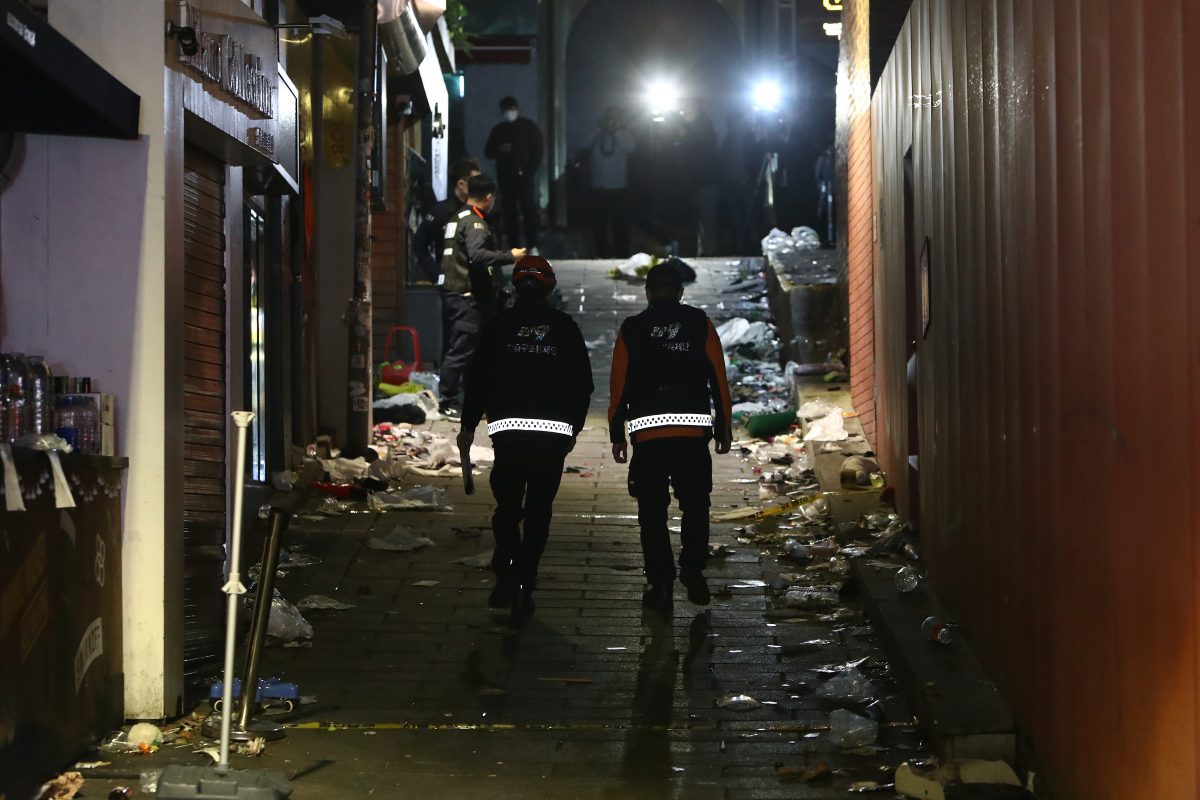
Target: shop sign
[91, 647]
[262, 141]
[223, 62]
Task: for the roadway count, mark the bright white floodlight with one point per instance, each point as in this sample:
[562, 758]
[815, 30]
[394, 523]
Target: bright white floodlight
[662, 97]
[767, 95]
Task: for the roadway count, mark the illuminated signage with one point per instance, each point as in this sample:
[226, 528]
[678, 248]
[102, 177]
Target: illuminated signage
[223, 60]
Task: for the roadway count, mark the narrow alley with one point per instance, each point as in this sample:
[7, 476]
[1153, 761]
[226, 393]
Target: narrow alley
[420, 690]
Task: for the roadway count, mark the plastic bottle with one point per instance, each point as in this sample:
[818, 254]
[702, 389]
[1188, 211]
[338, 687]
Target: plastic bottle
[907, 580]
[17, 410]
[66, 423]
[42, 384]
[89, 426]
[935, 630]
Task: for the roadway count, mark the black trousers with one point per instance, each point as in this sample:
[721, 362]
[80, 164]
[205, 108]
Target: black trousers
[659, 465]
[461, 315]
[518, 204]
[525, 479]
[610, 215]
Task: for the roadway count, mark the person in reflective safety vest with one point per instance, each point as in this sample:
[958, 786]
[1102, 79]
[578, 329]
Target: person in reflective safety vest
[668, 388]
[532, 377]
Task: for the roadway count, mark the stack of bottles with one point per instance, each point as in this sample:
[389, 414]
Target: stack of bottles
[34, 401]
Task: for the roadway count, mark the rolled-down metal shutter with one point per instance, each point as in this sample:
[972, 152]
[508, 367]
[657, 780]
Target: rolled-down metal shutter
[204, 419]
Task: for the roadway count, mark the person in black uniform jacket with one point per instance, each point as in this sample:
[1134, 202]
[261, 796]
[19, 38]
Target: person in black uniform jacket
[471, 280]
[516, 146]
[431, 232]
[532, 377]
[668, 385]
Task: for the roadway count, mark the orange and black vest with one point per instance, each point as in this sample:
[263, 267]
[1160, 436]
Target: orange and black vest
[668, 376]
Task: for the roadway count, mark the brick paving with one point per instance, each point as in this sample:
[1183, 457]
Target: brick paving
[595, 697]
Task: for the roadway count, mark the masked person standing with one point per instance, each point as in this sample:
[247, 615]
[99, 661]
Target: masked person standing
[532, 378]
[515, 144]
[472, 276]
[668, 385]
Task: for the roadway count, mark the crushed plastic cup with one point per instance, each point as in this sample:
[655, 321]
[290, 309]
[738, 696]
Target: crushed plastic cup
[850, 685]
[848, 730]
[907, 580]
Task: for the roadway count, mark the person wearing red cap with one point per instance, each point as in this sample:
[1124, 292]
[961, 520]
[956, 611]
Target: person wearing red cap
[532, 377]
[668, 387]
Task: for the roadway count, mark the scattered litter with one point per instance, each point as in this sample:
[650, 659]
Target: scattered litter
[830, 428]
[64, 787]
[345, 470]
[479, 560]
[149, 780]
[254, 747]
[286, 623]
[907, 580]
[332, 507]
[848, 730]
[931, 783]
[320, 602]
[850, 685]
[298, 644]
[399, 540]
[634, 268]
[738, 702]
[416, 497]
[803, 774]
[817, 408]
[91, 764]
[864, 787]
[809, 598]
[426, 583]
[720, 551]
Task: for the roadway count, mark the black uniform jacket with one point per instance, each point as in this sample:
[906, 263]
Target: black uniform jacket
[531, 375]
[668, 376]
[516, 147]
[471, 262]
[430, 237]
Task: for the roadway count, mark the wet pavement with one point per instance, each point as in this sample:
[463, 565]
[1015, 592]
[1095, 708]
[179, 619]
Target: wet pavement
[422, 691]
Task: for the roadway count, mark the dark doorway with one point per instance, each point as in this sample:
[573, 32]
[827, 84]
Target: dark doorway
[912, 335]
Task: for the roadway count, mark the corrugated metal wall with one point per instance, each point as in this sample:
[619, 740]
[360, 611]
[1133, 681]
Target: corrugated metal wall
[1058, 389]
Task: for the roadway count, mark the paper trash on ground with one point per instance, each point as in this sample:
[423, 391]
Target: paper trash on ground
[399, 540]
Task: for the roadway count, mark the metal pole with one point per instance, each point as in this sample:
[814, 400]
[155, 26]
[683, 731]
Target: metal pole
[262, 618]
[358, 316]
[233, 587]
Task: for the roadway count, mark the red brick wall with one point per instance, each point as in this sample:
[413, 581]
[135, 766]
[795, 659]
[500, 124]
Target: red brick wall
[389, 247]
[854, 135]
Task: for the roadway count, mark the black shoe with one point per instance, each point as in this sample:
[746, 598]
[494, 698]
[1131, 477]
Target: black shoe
[522, 605]
[657, 595]
[450, 412]
[505, 592]
[697, 587]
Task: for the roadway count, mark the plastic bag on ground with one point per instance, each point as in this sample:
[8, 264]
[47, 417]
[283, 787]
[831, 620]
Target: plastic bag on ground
[399, 540]
[817, 408]
[739, 331]
[416, 497]
[849, 685]
[848, 730]
[427, 379]
[345, 470]
[286, 623]
[830, 428]
[810, 598]
[635, 267]
[479, 560]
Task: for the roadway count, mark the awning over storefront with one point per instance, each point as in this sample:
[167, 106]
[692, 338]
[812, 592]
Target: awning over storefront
[48, 85]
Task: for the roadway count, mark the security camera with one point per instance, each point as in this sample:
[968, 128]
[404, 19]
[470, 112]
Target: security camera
[189, 43]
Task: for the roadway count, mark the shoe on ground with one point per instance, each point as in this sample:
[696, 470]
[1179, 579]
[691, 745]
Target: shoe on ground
[504, 594]
[450, 413]
[657, 595]
[522, 605]
[697, 588]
